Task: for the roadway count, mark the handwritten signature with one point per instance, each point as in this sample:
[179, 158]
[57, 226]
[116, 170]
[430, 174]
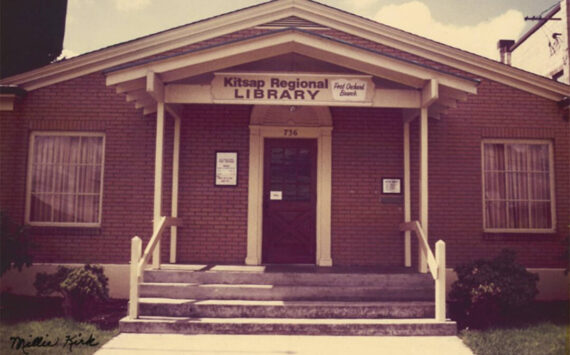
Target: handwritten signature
[20, 343]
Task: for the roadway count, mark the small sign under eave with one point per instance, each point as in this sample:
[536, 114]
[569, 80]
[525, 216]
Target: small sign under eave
[290, 88]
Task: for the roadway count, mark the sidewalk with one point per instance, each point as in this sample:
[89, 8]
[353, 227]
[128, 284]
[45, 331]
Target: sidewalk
[205, 344]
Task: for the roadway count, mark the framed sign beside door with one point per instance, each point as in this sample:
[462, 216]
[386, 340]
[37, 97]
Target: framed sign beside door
[226, 169]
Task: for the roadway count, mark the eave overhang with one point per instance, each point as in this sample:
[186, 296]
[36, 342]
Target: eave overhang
[8, 95]
[131, 79]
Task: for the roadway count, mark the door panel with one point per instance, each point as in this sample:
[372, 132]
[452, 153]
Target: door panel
[289, 201]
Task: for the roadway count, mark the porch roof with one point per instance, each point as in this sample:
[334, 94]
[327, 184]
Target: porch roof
[131, 79]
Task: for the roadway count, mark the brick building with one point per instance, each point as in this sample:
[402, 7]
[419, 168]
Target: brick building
[288, 132]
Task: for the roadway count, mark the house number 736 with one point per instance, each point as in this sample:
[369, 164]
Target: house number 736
[290, 133]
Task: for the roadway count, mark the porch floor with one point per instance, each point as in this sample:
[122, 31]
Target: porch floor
[290, 268]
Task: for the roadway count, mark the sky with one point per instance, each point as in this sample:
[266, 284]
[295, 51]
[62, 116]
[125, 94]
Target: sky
[471, 25]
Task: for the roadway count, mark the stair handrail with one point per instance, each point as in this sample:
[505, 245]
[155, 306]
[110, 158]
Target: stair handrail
[152, 243]
[416, 227]
[436, 265]
[139, 262]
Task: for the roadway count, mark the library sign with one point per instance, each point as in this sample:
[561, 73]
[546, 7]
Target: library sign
[288, 88]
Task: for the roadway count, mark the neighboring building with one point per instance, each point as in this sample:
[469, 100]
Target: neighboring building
[543, 49]
[287, 132]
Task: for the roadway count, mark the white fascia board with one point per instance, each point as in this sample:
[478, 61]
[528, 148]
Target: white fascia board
[181, 66]
[7, 102]
[383, 66]
[267, 46]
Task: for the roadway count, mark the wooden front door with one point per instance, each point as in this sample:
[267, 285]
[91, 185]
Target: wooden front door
[289, 201]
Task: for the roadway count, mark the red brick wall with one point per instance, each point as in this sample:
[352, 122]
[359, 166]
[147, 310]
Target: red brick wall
[367, 145]
[497, 111]
[86, 104]
[215, 218]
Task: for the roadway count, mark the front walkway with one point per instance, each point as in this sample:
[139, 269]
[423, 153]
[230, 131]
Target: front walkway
[140, 344]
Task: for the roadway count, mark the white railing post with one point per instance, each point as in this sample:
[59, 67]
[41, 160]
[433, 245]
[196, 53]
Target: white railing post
[440, 281]
[136, 251]
[407, 197]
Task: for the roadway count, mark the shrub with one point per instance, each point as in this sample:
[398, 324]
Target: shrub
[14, 245]
[80, 287]
[487, 292]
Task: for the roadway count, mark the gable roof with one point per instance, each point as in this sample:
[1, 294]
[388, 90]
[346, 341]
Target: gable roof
[175, 70]
[273, 13]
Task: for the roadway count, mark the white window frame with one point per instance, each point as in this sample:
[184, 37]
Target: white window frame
[552, 186]
[29, 178]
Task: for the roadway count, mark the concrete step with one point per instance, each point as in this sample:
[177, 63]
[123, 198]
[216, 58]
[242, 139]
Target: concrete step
[288, 326]
[289, 278]
[283, 309]
[285, 293]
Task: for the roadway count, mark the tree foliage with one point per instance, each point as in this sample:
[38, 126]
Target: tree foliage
[31, 34]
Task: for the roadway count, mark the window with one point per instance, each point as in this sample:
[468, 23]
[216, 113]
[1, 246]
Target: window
[518, 186]
[65, 179]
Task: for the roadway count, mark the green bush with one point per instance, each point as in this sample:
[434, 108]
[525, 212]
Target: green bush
[488, 292]
[14, 245]
[80, 287]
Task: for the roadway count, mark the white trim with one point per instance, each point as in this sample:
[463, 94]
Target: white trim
[175, 183]
[258, 132]
[202, 94]
[552, 185]
[430, 93]
[29, 177]
[423, 184]
[7, 102]
[158, 168]
[407, 196]
[154, 87]
[324, 192]
[248, 50]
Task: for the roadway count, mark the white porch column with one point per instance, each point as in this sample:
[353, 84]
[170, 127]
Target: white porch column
[407, 196]
[430, 93]
[422, 262]
[159, 149]
[324, 188]
[175, 173]
[155, 88]
[255, 197]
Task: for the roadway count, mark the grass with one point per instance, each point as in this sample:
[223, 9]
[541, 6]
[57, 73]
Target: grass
[543, 329]
[58, 335]
[540, 339]
[26, 318]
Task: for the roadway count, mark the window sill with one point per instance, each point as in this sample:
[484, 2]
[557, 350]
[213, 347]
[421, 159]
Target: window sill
[37, 230]
[545, 236]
